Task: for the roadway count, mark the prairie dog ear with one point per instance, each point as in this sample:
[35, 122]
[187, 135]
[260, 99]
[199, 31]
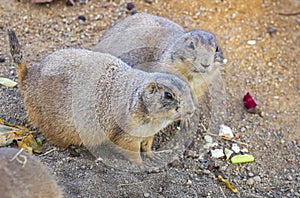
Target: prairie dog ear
[153, 87]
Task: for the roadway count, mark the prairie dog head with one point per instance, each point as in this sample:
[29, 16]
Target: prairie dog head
[199, 50]
[164, 99]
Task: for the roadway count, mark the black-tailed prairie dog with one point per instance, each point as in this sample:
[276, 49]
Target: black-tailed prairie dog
[22, 175]
[154, 43]
[78, 96]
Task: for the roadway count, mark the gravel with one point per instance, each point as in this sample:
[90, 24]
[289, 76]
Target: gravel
[267, 68]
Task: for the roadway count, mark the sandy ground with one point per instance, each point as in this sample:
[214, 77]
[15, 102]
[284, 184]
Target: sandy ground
[269, 70]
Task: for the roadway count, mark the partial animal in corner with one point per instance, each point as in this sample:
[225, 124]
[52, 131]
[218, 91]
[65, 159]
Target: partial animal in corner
[22, 175]
[77, 96]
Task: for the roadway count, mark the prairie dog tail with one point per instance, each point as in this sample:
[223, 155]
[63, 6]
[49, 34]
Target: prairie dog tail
[16, 53]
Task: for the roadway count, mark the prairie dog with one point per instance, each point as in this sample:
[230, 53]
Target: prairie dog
[156, 44]
[29, 179]
[78, 96]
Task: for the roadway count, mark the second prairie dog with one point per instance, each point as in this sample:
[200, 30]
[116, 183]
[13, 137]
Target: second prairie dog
[154, 43]
[21, 175]
[78, 96]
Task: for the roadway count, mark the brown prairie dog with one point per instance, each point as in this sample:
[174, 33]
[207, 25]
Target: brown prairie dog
[78, 96]
[21, 175]
[154, 43]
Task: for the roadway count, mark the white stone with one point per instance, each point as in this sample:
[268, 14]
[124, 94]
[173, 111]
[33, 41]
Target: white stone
[225, 131]
[217, 153]
[251, 42]
[208, 139]
[244, 150]
[235, 148]
[228, 153]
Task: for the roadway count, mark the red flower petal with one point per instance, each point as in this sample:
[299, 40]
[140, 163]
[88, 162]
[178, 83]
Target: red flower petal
[249, 101]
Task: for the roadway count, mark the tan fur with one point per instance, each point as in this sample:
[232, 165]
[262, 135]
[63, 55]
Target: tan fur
[78, 96]
[31, 180]
[154, 43]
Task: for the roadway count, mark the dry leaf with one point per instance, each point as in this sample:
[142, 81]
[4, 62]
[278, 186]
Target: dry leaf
[7, 82]
[228, 184]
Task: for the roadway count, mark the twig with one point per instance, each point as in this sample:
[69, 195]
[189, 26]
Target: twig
[226, 138]
[289, 14]
[16, 157]
[130, 184]
[50, 151]
[195, 192]
[222, 192]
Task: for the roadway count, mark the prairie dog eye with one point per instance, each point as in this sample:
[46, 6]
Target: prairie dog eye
[169, 96]
[192, 45]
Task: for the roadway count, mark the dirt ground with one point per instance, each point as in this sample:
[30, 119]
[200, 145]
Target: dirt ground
[267, 68]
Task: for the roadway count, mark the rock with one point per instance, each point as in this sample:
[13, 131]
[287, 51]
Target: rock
[251, 42]
[81, 17]
[129, 6]
[192, 154]
[228, 153]
[217, 153]
[257, 179]
[205, 171]
[225, 131]
[189, 182]
[271, 30]
[250, 174]
[2, 60]
[146, 194]
[244, 150]
[289, 177]
[208, 138]
[250, 182]
[133, 11]
[235, 148]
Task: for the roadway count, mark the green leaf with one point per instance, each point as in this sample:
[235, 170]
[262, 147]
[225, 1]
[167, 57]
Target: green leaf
[239, 159]
[7, 82]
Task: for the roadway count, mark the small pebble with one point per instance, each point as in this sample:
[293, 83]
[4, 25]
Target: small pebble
[81, 19]
[104, 5]
[146, 194]
[70, 3]
[290, 178]
[133, 11]
[225, 131]
[228, 153]
[206, 171]
[250, 182]
[129, 6]
[271, 30]
[148, 1]
[298, 21]
[235, 148]
[257, 179]
[208, 138]
[244, 150]
[250, 174]
[251, 42]
[2, 60]
[217, 153]
[189, 182]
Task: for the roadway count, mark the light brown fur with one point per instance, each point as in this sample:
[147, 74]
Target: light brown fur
[156, 44]
[77, 96]
[31, 180]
